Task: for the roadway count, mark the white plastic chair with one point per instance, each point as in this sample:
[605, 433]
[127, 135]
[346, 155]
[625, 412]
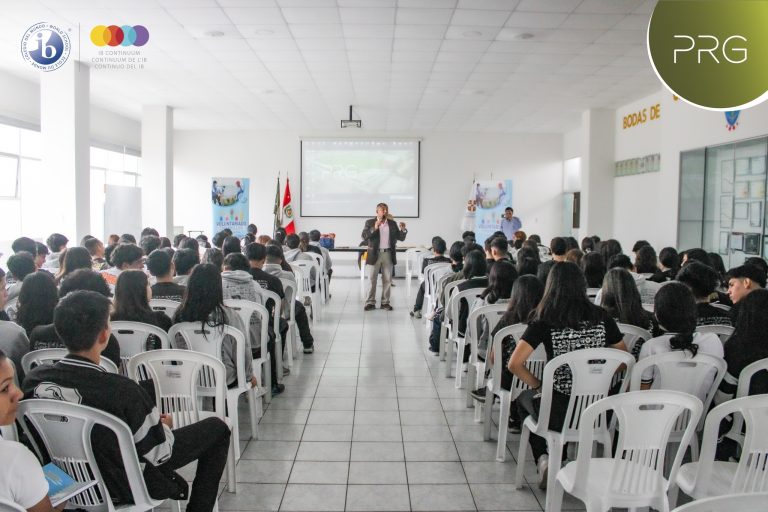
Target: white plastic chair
[753, 502]
[491, 314]
[48, 356]
[277, 311]
[457, 342]
[209, 341]
[699, 376]
[176, 375]
[168, 307]
[592, 292]
[289, 313]
[745, 381]
[431, 274]
[65, 432]
[133, 337]
[411, 255]
[723, 331]
[310, 278]
[322, 276]
[535, 365]
[445, 326]
[720, 306]
[12, 308]
[634, 476]
[592, 371]
[9, 506]
[707, 477]
[304, 288]
[633, 334]
[417, 268]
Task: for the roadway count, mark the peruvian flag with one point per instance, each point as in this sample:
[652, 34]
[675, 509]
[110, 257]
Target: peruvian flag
[288, 224]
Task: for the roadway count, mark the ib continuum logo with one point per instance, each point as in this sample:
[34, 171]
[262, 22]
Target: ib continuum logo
[45, 46]
[113, 35]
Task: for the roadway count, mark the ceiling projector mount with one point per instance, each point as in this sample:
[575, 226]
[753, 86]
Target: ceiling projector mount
[351, 123]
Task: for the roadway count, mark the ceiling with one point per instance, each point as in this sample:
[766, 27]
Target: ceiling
[521, 66]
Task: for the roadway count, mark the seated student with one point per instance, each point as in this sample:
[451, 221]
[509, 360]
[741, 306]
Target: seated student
[272, 262]
[194, 244]
[675, 310]
[124, 257]
[610, 248]
[638, 245]
[42, 253]
[587, 244]
[132, 295]
[702, 280]
[148, 231]
[500, 280]
[564, 314]
[263, 239]
[73, 259]
[160, 266]
[20, 265]
[165, 243]
[177, 240]
[280, 236]
[314, 241]
[558, 248]
[647, 265]
[438, 251]
[204, 303]
[95, 248]
[214, 256]
[527, 261]
[218, 239]
[306, 246]
[743, 280]
[719, 267]
[45, 336]
[756, 261]
[500, 250]
[647, 289]
[458, 253]
[237, 281]
[149, 243]
[294, 253]
[200, 240]
[669, 265]
[37, 299]
[184, 260]
[476, 277]
[621, 299]
[21, 478]
[574, 256]
[230, 245]
[56, 243]
[13, 339]
[82, 320]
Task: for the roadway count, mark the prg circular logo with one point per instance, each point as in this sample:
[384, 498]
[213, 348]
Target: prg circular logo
[45, 46]
[112, 35]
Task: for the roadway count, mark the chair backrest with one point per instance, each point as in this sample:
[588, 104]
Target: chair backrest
[491, 313]
[133, 337]
[452, 309]
[289, 307]
[46, 356]
[646, 419]
[752, 502]
[632, 334]
[168, 307]
[745, 381]
[175, 375]
[309, 277]
[419, 259]
[751, 473]
[592, 292]
[720, 306]
[535, 362]
[432, 272]
[65, 431]
[11, 308]
[449, 289]
[9, 506]
[592, 371]
[318, 259]
[723, 331]
[244, 311]
[275, 298]
[411, 255]
[209, 340]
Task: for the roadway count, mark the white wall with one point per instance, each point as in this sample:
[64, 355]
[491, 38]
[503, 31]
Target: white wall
[646, 205]
[448, 163]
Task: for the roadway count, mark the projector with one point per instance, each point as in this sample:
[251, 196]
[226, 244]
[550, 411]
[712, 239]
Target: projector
[351, 123]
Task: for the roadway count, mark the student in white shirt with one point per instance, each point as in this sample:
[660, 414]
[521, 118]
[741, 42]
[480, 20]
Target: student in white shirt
[21, 478]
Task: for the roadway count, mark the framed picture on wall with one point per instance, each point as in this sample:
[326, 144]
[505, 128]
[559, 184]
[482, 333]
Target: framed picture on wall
[752, 243]
[756, 214]
[757, 189]
[742, 166]
[741, 211]
[726, 211]
[726, 177]
[757, 165]
[737, 241]
[723, 247]
[741, 189]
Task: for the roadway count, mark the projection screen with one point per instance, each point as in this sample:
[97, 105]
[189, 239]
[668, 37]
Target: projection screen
[347, 178]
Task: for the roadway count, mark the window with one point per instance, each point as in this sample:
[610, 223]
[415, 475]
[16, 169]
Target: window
[19, 152]
[110, 165]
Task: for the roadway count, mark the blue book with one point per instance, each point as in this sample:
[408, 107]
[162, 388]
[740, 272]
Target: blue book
[62, 486]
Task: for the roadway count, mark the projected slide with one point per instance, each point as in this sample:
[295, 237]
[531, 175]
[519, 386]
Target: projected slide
[347, 178]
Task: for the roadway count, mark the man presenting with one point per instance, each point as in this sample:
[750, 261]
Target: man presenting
[382, 234]
[509, 224]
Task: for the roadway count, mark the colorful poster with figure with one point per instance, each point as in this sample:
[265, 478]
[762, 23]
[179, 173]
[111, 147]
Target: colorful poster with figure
[491, 198]
[229, 201]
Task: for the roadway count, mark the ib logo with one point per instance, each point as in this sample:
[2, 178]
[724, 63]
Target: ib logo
[712, 54]
[45, 46]
[113, 35]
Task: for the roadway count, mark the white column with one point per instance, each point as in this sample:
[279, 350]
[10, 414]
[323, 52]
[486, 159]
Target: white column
[157, 168]
[597, 173]
[62, 194]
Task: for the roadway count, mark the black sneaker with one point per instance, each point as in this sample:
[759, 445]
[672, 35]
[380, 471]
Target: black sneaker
[386, 307]
[514, 426]
[277, 389]
[309, 349]
[479, 394]
[369, 307]
[286, 371]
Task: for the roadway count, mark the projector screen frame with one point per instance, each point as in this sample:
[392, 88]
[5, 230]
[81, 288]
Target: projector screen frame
[373, 139]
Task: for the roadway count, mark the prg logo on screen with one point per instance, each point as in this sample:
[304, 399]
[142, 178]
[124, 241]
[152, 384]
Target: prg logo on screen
[126, 35]
[45, 46]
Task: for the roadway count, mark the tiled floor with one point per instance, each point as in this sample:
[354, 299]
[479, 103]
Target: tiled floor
[369, 422]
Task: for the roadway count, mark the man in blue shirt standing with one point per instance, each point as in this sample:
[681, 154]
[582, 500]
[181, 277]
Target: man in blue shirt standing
[509, 224]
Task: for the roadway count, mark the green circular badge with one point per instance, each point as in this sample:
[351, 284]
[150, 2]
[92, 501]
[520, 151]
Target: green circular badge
[712, 53]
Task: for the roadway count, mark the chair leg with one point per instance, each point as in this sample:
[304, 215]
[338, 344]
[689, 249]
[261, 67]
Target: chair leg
[555, 461]
[471, 378]
[253, 407]
[289, 347]
[501, 442]
[267, 378]
[441, 346]
[487, 412]
[524, 435]
[694, 448]
[279, 356]
[459, 362]
[231, 463]
[449, 358]
[555, 496]
[232, 414]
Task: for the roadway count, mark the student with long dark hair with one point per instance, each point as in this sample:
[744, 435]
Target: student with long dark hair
[621, 299]
[37, 299]
[132, 295]
[675, 310]
[593, 265]
[703, 280]
[204, 303]
[74, 258]
[564, 314]
[475, 274]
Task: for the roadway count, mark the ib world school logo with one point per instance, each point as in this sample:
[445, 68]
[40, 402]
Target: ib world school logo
[45, 46]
